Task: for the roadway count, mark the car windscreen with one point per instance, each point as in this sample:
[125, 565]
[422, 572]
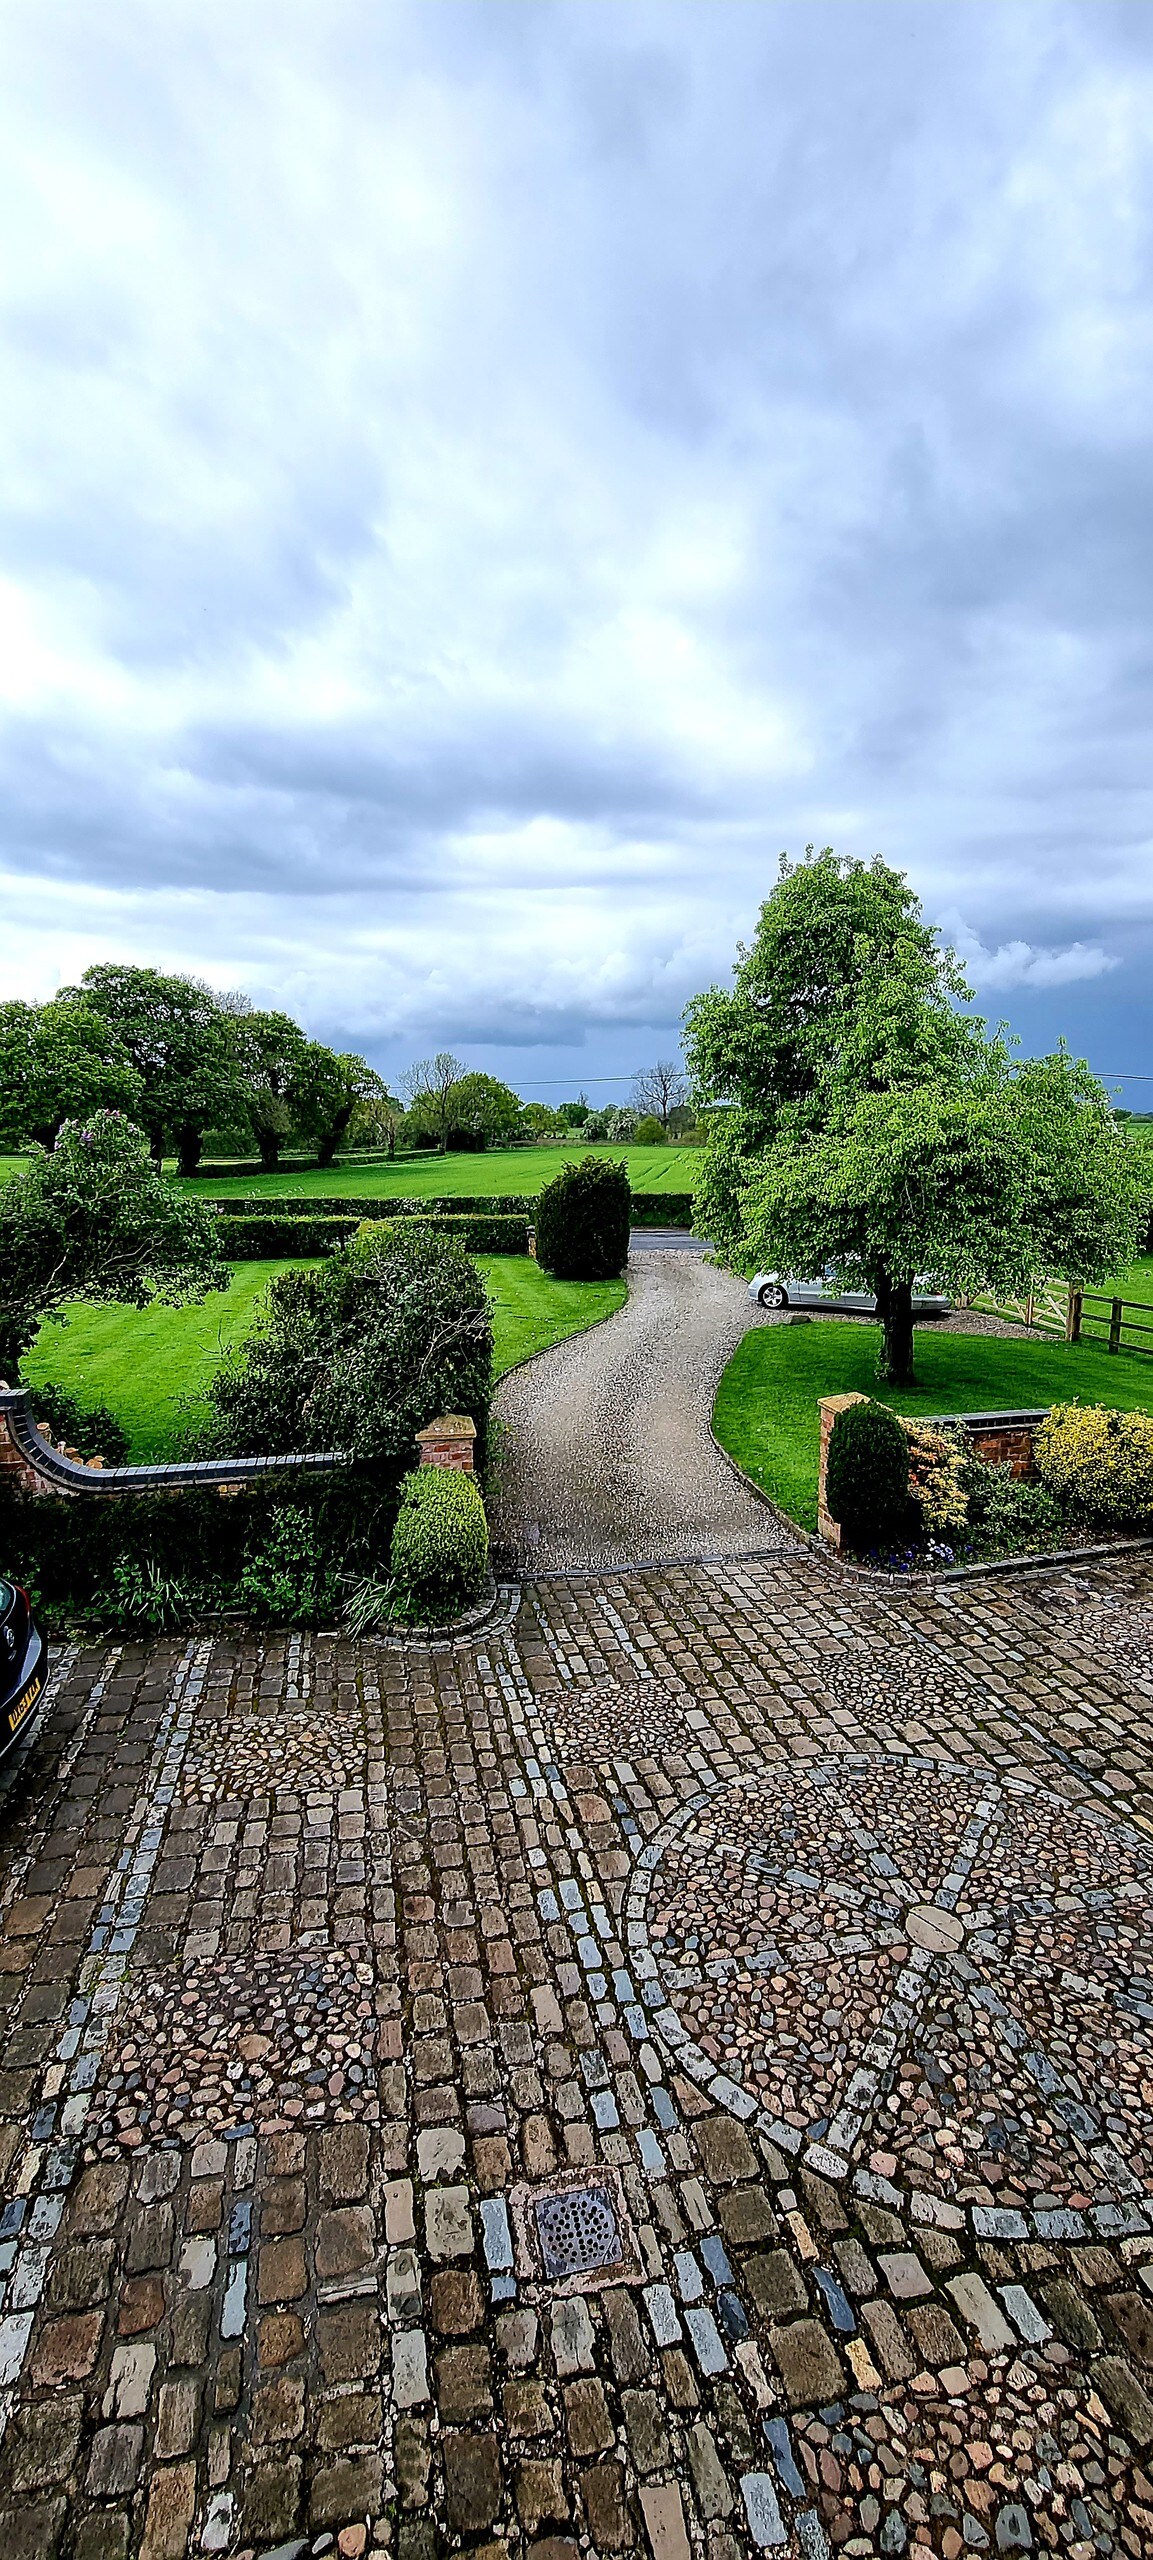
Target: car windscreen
[7, 1596]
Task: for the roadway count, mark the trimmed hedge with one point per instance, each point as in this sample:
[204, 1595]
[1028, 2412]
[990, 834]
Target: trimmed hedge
[582, 1221]
[254, 1239]
[280, 1239]
[497, 1204]
[439, 1544]
[283, 1549]
[477, 1235]
[662, 1209]
[867, 1474]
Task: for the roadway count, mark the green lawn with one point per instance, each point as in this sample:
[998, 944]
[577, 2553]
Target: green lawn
[531, 1310]
[766, 1407]
[148, 1365]
[517, 1169]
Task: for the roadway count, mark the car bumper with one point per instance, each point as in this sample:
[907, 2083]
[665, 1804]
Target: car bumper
[19, 1712]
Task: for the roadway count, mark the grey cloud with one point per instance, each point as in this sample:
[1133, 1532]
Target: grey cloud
[480, 480]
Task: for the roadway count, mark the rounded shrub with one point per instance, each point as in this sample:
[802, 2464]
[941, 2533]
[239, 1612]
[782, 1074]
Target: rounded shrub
[867, 1474]
[1098, 1459]
[439, 1544]
[582, 1220]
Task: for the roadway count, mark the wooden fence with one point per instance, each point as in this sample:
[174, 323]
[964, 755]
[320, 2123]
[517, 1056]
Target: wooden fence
[1092, 1316]
[1082, 1315]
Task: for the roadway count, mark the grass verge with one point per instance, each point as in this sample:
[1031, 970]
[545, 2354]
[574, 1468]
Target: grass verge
[765, 1413]
[151, 1365]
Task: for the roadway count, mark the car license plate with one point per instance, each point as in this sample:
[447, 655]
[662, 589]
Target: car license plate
[25, 1703]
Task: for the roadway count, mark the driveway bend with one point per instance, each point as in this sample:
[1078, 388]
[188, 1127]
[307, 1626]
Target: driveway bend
[606, 1454]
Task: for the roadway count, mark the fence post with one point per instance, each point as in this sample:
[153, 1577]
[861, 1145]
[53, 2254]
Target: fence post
[1115, 1324]
[1029, 1310]
[1073, 1317]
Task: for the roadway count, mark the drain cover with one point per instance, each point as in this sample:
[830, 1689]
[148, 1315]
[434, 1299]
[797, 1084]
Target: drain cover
[575, 2234]
[578, 2232]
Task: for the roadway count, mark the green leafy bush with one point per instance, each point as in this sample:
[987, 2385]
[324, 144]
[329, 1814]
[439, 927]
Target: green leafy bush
[359, 1355]
[1007, 1513]
[648, 1132]
[582, 1220]
[1100, 1460]
[158, 1560]
[285, 1577]
[91, 1429]
[936, 1477]
[867, 1474]
[439, 1544]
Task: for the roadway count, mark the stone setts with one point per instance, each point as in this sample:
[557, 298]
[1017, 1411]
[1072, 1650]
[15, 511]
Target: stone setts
[671, 2075]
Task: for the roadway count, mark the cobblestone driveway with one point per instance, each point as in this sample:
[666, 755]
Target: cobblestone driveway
[671, 2075]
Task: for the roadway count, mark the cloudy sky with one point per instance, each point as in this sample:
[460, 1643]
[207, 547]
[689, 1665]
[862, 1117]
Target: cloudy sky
[480, 477]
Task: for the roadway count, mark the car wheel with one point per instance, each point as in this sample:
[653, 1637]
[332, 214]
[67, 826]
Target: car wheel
[772, 1295]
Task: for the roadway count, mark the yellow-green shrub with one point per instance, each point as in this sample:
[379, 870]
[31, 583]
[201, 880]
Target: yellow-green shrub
[936, 1471]
[1099, 1459]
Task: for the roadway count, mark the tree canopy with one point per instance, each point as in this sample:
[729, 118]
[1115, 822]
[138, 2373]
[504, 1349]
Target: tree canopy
[95, 1218]
[59, 1061]
[859, 1119]
[181, 1040]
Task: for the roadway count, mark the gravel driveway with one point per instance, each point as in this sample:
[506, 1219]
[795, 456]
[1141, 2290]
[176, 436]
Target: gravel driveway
[607, 1458]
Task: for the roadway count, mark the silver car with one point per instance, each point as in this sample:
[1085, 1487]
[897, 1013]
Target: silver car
[778, 1289]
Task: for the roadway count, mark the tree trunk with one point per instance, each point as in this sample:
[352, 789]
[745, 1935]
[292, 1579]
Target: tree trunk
[189, 1142]
[333, 1134]
[156, 1145]
[895, 1310]
[268, 1141]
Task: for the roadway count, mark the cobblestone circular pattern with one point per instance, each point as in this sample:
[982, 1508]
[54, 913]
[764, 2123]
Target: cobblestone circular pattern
[935, 1975]
[263, 2043]
[609, 1721]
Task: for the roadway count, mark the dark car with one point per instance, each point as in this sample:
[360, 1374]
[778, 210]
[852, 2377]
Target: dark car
[23, 1665]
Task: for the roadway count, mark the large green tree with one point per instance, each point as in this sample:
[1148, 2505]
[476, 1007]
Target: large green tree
[860, 1119]
[484, 1107]
[96, 1218]
[274, 1055]
[59, 1061]
[338, 1083]
[181, 1041]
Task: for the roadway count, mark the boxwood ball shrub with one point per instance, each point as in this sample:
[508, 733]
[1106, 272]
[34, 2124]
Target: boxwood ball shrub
[439, 1544]
[1098, 1459]
[582, 1220]
[867, 1474]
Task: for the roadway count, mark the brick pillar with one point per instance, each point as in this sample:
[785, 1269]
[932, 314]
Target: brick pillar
[830, 1407]
[15, 1469]
[448, 1442]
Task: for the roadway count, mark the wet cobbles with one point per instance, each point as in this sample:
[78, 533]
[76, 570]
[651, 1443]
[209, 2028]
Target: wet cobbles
[671, 2075]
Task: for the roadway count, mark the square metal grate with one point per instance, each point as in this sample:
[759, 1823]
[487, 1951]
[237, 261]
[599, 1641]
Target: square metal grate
[575, 2234]
[578, 2232]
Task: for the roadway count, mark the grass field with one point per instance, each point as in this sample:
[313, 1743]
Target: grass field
[766, 1407]
[151, 1366]
[520, 1169]
[523, 1169]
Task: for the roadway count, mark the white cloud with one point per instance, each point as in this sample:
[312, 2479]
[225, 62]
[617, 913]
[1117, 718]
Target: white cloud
[1024, 964]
